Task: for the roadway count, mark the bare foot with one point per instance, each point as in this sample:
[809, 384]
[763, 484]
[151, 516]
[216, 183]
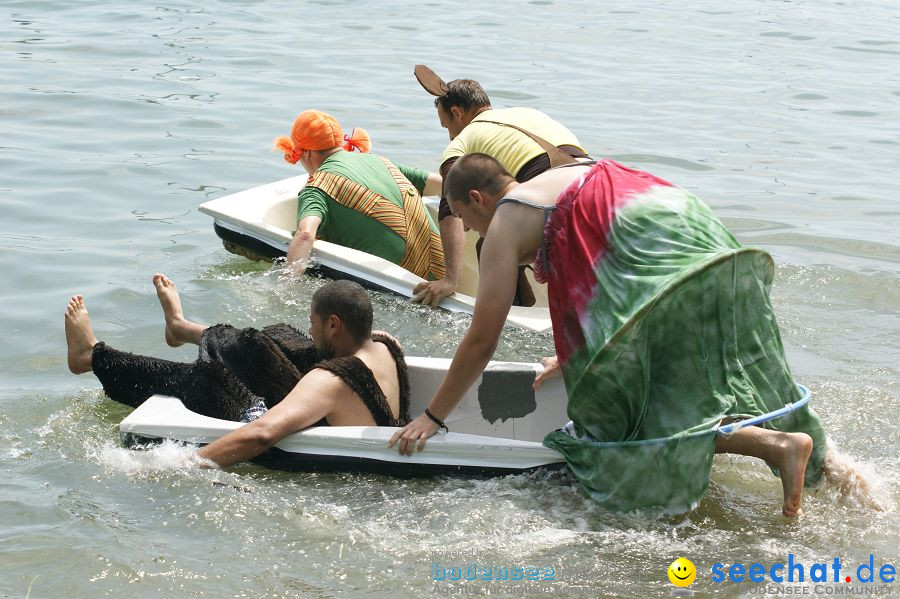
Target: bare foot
[791, 458]
[79, 336]
[840, 473]
[171, 305]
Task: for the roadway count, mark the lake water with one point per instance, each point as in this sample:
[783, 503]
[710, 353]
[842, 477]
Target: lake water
[119, 118]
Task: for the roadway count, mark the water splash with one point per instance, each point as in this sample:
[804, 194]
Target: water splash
[166, 456]
[853, 483]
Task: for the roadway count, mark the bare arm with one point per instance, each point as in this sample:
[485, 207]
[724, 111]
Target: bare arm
[301, 244]
[433, 185]
[310, 400]
[495, 296]
[453, 240]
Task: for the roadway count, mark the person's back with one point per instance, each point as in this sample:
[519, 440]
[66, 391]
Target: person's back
[525, 141]
[379, 359]
[499, 133]
[361, 201]
[362, 206]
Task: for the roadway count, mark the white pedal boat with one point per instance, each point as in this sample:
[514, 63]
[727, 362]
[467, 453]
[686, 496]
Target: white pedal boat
[496, 429]
[259, 223]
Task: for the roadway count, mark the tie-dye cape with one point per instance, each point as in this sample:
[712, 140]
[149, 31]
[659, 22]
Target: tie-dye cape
[663, 326]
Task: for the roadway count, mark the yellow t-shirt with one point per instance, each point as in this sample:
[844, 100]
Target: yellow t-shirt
[509, 147]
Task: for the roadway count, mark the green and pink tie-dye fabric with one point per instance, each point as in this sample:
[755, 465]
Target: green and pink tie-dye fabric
[663, 326]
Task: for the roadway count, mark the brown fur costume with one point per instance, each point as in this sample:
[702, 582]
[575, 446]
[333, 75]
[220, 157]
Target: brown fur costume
[238, 368]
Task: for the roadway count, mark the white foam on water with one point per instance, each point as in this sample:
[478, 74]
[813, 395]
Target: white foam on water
[853, 482]
[166, 456]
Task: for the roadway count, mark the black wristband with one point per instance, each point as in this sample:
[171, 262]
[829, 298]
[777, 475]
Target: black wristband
[436, 420]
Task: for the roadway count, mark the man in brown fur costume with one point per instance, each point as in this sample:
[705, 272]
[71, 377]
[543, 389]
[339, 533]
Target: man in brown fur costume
[278, 379]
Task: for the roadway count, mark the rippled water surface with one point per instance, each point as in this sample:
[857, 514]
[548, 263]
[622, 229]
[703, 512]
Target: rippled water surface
[117, 119]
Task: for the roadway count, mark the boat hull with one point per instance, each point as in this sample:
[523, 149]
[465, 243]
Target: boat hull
[496, 429]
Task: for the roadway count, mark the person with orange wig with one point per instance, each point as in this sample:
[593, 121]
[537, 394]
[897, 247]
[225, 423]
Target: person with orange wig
[360, 200]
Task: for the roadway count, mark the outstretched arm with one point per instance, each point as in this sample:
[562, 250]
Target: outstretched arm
[312, 399]
[453, 241]
[301, 244]
[495, 296]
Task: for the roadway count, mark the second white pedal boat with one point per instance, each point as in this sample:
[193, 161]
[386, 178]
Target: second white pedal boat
[259, 223]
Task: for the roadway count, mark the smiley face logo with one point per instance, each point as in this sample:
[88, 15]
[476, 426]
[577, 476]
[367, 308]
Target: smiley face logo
[682, 572]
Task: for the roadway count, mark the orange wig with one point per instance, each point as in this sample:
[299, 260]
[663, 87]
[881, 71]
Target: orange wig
[316, 130]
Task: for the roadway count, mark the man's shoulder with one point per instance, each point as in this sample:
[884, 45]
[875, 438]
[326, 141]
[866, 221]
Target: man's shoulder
[369, 170]
[456, 148]
[342, 160]
[372, 362]
[513, 116]
[386, 338]
[384, 355]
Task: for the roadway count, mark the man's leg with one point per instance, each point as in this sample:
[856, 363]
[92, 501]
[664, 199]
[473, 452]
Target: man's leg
[126, 378]
[788, 452]
[250, 362]
[204, 387]
[179, 330]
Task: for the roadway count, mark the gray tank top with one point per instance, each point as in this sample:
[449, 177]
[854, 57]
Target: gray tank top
[547, 210]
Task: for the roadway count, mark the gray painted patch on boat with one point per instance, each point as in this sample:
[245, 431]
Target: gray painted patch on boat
[507, 393]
